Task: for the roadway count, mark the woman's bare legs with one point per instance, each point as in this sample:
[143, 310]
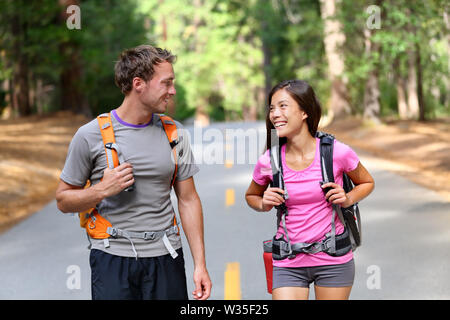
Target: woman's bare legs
[290, 293]
[329, 293]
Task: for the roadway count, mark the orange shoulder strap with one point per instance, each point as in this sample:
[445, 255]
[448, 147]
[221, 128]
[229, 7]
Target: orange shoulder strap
[171, 131]
[107, 131]
[172, 135]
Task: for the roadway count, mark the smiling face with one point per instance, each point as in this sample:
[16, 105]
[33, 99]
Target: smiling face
[286, 115]
[156, 93]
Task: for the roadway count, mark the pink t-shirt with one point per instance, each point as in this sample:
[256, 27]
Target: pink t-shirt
[309, 217]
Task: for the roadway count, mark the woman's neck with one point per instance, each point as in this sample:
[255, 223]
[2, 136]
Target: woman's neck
[301, 146]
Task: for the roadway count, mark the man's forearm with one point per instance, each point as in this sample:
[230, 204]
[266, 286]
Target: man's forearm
[77, 200]
[192, 220]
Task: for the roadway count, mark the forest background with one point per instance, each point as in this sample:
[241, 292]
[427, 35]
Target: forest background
[378, 59]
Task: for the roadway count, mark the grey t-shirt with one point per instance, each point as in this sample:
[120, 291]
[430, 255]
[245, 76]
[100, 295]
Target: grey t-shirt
[148, 207]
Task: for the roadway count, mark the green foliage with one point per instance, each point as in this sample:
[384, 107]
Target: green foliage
[108, 28]
[405, 24]
[227, 49]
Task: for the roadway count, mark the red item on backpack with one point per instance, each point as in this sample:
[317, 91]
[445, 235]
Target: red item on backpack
[267, 256]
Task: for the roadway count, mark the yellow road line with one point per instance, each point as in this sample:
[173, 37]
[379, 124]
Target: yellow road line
[229, 197]
[232, 283]
[228, 164]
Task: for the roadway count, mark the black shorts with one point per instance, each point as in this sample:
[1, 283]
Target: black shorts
[127, 278]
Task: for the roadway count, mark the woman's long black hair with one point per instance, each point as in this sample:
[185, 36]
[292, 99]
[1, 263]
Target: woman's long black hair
[304, 95]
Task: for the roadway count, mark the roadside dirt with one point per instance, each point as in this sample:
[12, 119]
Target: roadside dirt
[33, 150]
[32, 153]
[419, 151]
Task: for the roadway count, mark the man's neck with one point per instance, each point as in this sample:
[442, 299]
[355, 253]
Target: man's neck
[133, 112]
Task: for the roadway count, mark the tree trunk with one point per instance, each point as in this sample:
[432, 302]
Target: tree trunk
[40, 96]
[163, 23]
[20, 84]
[334, 38]
[372, 91]
[201, 116]
[7, 110]
[171, 107]
[413, 98]
[402, 103]
[420, 84]
[446, 98]
[372, 98]
[72, 97]
[267, 61]
[21, 96]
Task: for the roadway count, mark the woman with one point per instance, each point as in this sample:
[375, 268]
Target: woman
[294, 113]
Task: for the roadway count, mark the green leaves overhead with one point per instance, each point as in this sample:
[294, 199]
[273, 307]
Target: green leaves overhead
[229, 52]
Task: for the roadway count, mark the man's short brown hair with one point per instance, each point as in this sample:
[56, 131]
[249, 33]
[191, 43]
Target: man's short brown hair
[139, 62]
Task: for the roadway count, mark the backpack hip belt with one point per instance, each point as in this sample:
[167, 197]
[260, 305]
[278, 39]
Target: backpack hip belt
[281, 249]
[146, 235]
[98, 227]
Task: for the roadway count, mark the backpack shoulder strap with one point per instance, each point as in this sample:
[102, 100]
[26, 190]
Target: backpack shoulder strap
[326, 155]
[274, 153]
[170, 128]
[278, 182]
[112, 159]
[107, 131]
[276, 163]
[326, 165]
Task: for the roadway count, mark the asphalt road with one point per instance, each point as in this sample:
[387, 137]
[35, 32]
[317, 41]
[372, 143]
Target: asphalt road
[406, 234]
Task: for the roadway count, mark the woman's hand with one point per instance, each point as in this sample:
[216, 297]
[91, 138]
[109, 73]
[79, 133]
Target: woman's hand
[272, 197]
[337, 195]
[263, 198]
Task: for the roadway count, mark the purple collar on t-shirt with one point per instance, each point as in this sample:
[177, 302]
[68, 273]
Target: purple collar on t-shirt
[130, 124]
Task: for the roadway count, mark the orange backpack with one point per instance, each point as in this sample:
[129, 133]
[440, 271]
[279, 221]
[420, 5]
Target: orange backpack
[97, 227]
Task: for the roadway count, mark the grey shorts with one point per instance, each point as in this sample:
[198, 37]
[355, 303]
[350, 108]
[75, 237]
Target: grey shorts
[337, 275]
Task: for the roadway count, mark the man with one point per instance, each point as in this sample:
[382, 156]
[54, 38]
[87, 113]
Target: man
[135, 267]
